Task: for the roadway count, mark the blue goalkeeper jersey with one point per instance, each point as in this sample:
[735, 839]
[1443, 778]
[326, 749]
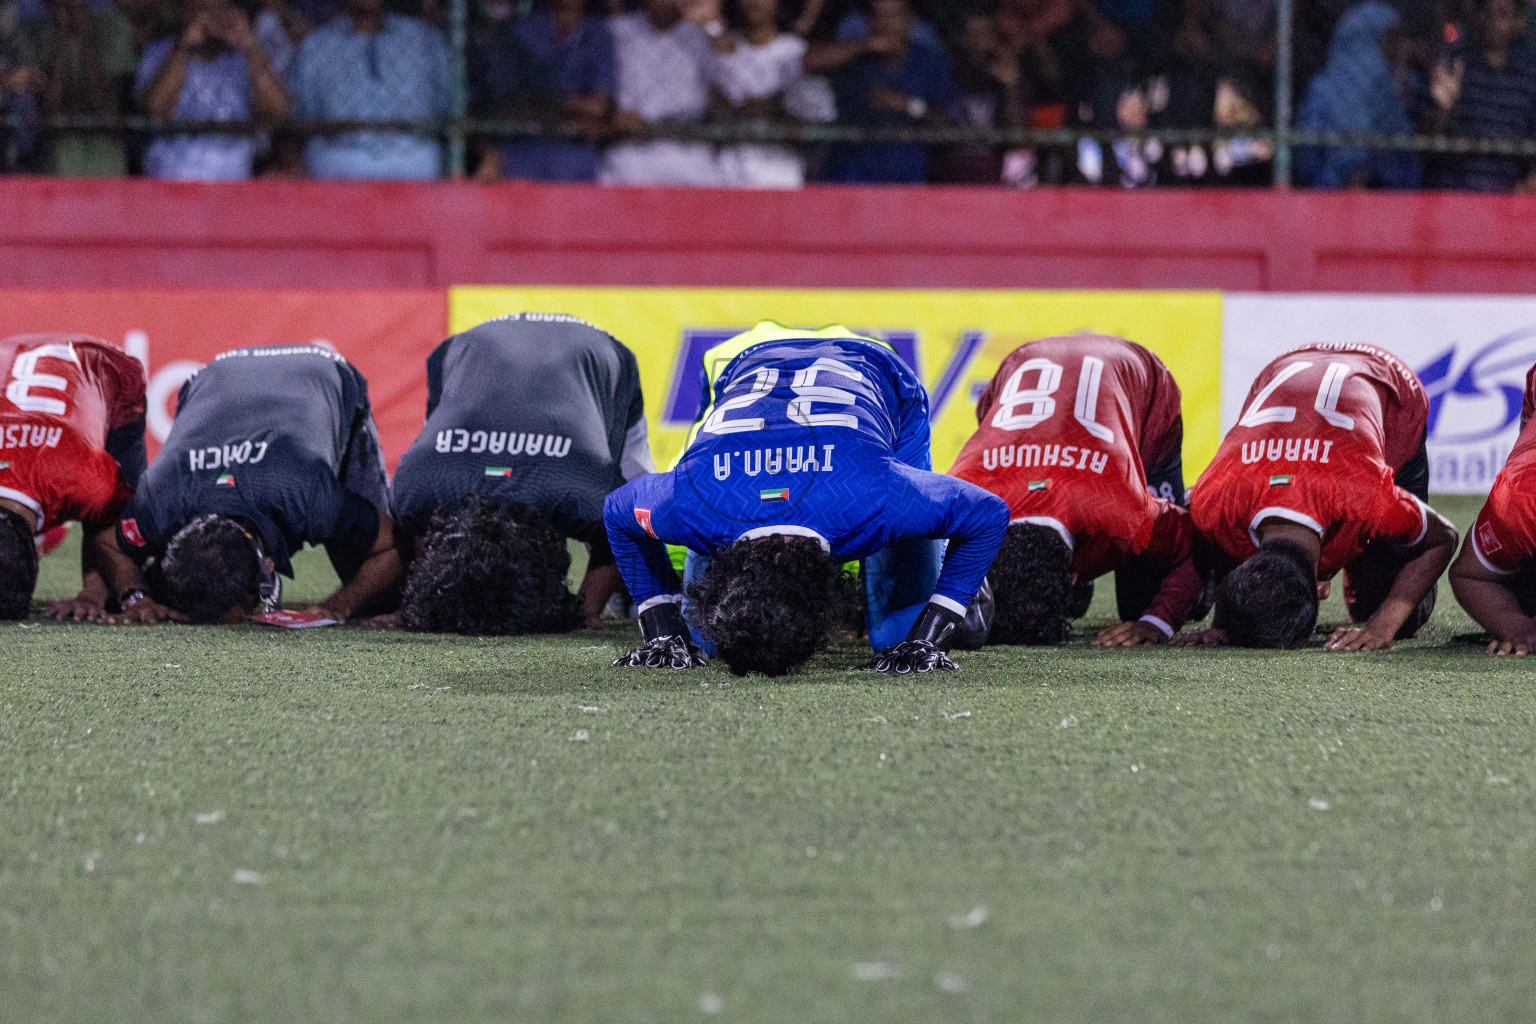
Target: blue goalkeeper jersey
[819, 433]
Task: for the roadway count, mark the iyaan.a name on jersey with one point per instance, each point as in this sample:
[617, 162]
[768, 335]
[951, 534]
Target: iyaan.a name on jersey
[1066, 456]
[498, 441]
[1286, 449]
[239, 453]
[22, 435]
[795, 459]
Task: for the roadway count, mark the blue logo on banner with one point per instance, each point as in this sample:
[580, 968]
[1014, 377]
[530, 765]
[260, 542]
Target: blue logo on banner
[1482, 399]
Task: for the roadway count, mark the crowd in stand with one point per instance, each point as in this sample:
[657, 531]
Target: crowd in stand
[622, 72]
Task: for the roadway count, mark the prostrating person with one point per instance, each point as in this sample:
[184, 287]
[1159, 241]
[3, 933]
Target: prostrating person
[1494, 577]
[1325, 470]
[532, 420]
[1083, 437]
[272, 448]
[812, 452]
[71, 448]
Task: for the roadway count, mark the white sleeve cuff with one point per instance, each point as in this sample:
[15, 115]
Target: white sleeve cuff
[1483, 560]
[949, 604]
[650, 603]
[1167, 630]
[1423, 520]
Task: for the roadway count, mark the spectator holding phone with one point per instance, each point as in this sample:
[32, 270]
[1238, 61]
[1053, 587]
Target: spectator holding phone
[1486, 90]
[758, 73]
[371, 65]
[887, 81]
[1359, 90]
[83, 56]
[213, 71]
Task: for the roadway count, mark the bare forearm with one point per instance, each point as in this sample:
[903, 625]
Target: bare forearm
[268, 91]
[596, 588]
[101, 555]
[381, 571]
[830, 56]
[1412, 583]
[164, 90]
[1493, 606]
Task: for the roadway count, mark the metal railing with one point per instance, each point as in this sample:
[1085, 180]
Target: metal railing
[457, 129]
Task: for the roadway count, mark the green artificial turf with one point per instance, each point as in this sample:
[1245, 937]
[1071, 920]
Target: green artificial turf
[445, 829]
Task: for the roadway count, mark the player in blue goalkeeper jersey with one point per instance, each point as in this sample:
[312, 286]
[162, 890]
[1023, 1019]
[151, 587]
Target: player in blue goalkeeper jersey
[812, 451]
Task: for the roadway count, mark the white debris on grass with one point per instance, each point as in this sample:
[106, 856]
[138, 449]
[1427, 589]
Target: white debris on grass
[208, 817]
[91, 859]
[974, 919]
[1068, 722]
[957, 714]
[245, 876]
[877, 720]
[591, 709]
[710, 1002]
[1318, 805]
[1436, 904]
[877, 971]
[949, 981]
[1498, 780]
[580, 737]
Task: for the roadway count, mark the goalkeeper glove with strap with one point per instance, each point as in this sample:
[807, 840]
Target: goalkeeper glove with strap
[668, 644]
[924, 648]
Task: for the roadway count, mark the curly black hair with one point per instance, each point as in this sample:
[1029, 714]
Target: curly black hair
[1270, 600]
[1032, 586]
[490, 570]
[210, 566]
[18, 565]
[770, 603]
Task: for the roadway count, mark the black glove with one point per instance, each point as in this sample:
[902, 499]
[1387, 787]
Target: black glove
[924, 648]
[664, 652]
[911, 656]
[668, 644]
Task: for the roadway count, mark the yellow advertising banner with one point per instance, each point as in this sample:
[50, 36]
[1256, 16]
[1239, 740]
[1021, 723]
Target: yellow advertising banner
[955, 340]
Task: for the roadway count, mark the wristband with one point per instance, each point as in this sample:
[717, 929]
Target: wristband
[662, 619]
[917, 108]
[936, 625]
[714, 28]
[128, 598]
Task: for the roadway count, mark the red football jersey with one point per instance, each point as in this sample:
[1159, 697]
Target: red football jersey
[63, 394]
[1504, 537]
[1323, 429]
[1065, 429]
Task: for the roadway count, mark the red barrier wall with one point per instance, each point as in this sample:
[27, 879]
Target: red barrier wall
[308, 234]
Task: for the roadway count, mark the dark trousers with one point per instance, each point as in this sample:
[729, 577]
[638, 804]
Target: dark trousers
[1138, 580]
[1369, 578]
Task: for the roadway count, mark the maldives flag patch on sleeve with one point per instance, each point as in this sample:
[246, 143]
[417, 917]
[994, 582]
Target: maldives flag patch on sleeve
[643, 517]
[131, 534]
